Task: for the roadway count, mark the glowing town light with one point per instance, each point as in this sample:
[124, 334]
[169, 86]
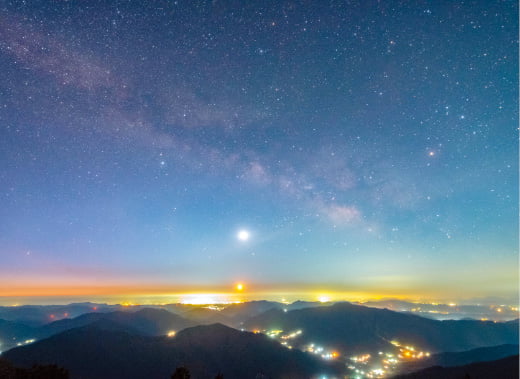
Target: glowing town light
[324, 299]
[171, 333]
[204, 299]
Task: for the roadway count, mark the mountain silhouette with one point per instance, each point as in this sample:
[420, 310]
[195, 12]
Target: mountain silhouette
[482, 354]
[38, 315]
[356, 329]
[105, 349]
[201, 316]
[147, 321]
[505, 368]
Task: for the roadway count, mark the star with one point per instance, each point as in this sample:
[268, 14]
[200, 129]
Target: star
[243, 235]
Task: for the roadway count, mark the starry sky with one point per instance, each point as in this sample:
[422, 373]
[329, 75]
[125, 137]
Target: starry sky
[367, 148]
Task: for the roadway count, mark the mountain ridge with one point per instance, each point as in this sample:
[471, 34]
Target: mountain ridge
[95, 352]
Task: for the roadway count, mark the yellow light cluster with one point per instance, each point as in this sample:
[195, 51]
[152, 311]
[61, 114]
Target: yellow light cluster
[376, 373]
[26, 342]
[361, 358]
[291, 335]
[409, 353]
[273, 333]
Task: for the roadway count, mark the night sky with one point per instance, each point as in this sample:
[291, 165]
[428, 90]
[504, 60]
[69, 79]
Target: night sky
[354, 148]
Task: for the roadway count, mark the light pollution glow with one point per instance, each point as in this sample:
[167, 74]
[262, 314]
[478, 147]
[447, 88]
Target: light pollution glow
[440, 285]
[238, 292]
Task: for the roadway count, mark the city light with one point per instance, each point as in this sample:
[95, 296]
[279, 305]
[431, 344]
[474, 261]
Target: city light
[205, 299]
[324, 299]
[384, 364]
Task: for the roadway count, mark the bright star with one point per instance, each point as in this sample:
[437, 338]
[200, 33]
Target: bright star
[243, 235]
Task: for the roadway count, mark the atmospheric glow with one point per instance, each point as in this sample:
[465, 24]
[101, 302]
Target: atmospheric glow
[240, 287]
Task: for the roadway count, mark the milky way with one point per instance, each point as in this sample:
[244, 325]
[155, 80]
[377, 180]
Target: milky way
[362, 146]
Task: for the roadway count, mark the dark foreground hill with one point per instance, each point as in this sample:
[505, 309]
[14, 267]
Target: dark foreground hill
[147, 322]
[101, 351]
[482, 354]
[505, 368]
[357, 329]
[8, 371]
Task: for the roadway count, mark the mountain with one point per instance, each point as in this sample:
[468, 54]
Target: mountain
[358, 329]
[201, 316]
[147, 321]
[241, 311]
[234, 315]
[449, 311]
[304, 304]
[13, 333]
[505, 368]
[37, 315]
[243, 355]
[482, 354]
[102, 351]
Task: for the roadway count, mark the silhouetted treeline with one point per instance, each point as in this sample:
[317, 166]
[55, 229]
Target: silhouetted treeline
[8, 371]
[183, 373]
